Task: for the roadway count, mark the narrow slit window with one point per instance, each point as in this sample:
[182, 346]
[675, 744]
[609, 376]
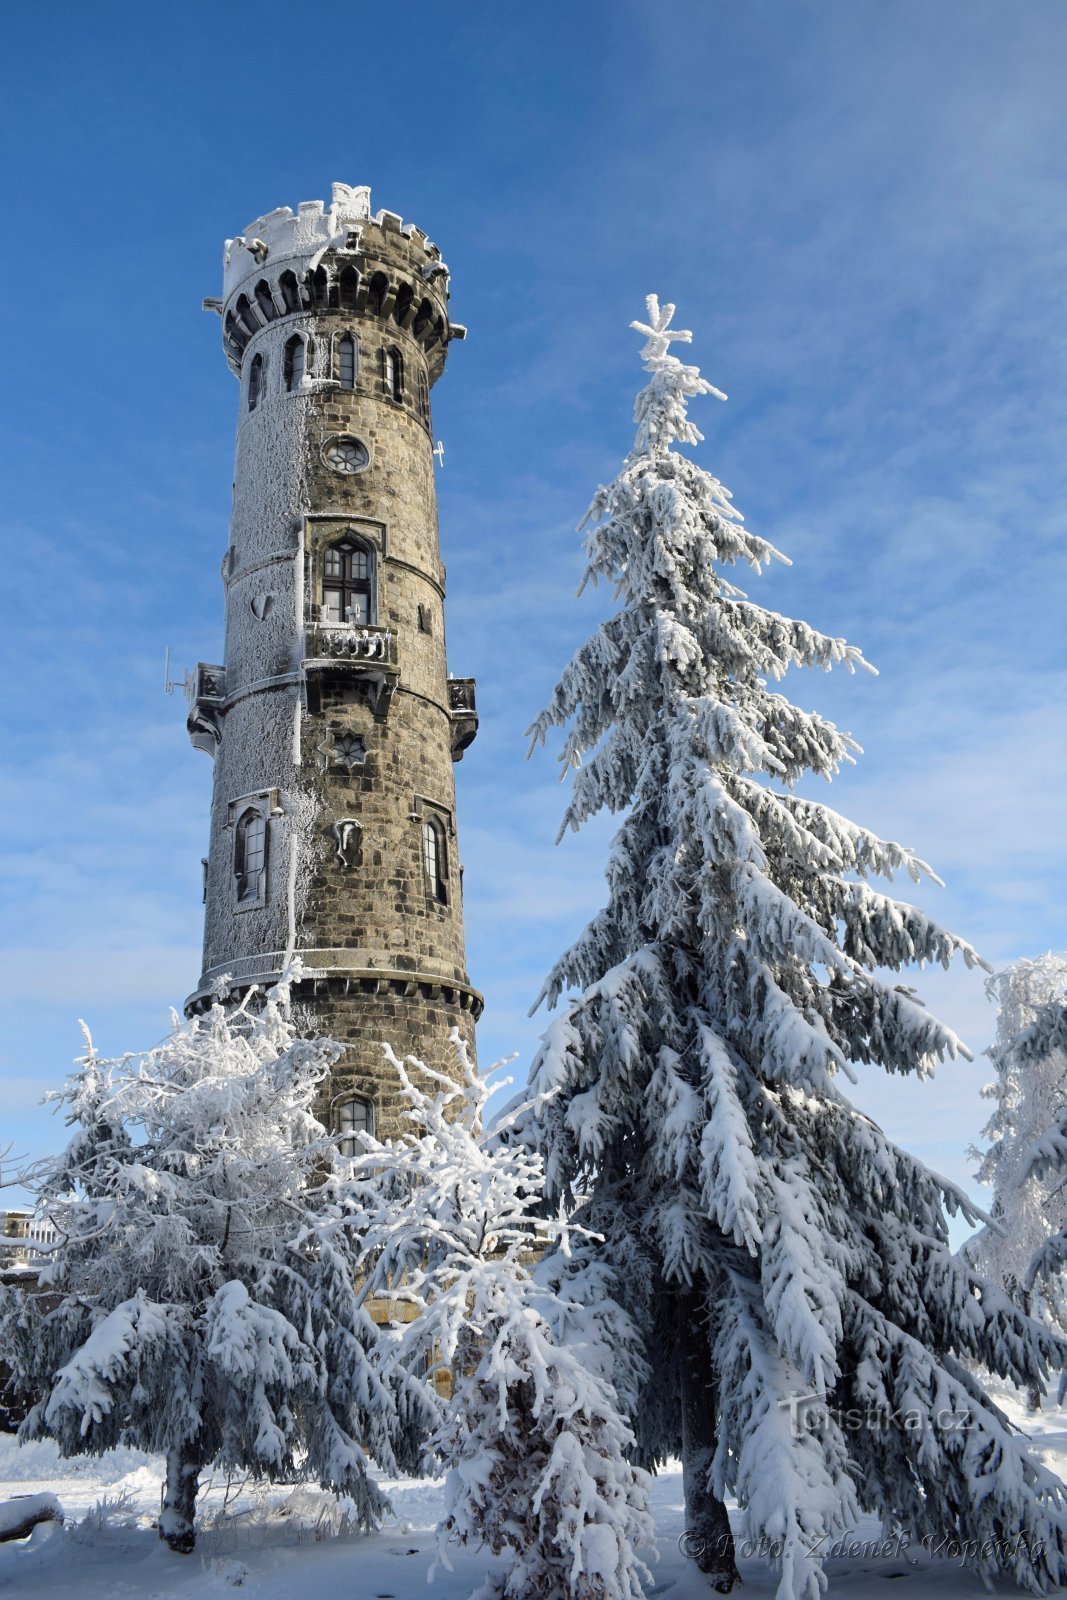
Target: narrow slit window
[255, 382]
[434, 859]
[393, 372]
[250, 856]
[346, 361]
[295, 360]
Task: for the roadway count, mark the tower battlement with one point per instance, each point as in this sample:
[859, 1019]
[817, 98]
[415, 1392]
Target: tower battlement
[335, 257]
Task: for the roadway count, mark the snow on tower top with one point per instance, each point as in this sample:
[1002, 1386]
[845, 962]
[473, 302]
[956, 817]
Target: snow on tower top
[309, 231]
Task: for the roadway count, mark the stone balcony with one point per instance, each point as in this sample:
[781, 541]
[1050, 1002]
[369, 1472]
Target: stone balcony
[357, 652]
[462, 708]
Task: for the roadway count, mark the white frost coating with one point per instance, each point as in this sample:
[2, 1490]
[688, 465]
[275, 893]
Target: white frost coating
[188, 1316]
[287, 234]
[692, 1085]
[290, 898]
[312, 230]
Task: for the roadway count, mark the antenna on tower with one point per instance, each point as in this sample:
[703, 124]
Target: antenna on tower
[170, 684]
[439, 452]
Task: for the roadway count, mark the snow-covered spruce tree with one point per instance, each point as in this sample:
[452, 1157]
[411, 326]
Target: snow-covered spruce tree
[535, 1450]
[1030, 1090]
[764, 1235]
[201, 1316]
[1043, 1050]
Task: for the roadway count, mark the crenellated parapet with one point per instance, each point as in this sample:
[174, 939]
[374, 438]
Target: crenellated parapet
[336, 259]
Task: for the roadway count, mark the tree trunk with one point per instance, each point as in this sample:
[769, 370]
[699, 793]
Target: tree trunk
[176, 1527]
[708, 1540]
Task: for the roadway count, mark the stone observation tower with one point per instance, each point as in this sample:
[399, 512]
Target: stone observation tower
[332, 722]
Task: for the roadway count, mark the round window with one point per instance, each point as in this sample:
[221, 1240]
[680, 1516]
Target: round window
[345, 454]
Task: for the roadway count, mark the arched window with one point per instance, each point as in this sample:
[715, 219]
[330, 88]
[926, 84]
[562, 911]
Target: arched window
[295, 360]
[346, 361]
[354, 1116]
[255, 382]
[379, 288]
[265, 301]
[290, 291]
[246, 315]
[250, 855]
[402, 308]
[435, 859]
[393, 372]
[348, 583]
[349, 288]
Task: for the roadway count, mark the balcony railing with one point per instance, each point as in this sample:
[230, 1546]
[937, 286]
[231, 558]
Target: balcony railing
[365, 647]
[358, 652]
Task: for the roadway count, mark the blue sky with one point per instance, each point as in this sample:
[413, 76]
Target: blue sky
[858, 206]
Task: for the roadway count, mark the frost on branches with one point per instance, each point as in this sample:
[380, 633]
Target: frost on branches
[201, 1317]
[534, 1447]
[764, 1236]
[1030, 1089]
[1042, 1049]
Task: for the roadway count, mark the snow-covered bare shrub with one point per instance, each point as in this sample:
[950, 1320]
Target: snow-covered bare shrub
[787, 1267]
[535, 1450]
[200, 1314]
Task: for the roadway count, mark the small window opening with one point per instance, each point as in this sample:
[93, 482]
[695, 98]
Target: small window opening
[295, 362]
[347, 583]
[424, 397]
[393, 372]
[290, 291]
[349, 288]
[255, 382]
[424, 619]
[434, 859]
[346, 361]
[354, 1116]
[250, 855]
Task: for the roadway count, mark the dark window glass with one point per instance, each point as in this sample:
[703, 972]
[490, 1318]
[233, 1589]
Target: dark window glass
[354, 1116]
[250, 855]
[294, 362]
[348, 583]
[433, 859]
[346, 362]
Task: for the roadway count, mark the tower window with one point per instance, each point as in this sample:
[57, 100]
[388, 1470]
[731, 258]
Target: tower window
[290, 291]
[424, 619]
[295, 362]
[424, 397]
[354, 1116]
[255, 382]
[250, 855]
[346, 361]
[265, 301]
[348, 583]
[435, 859]
[393, 372]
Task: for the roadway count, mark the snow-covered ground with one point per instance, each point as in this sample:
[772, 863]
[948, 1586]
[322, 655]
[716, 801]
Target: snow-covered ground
[274, 1545]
